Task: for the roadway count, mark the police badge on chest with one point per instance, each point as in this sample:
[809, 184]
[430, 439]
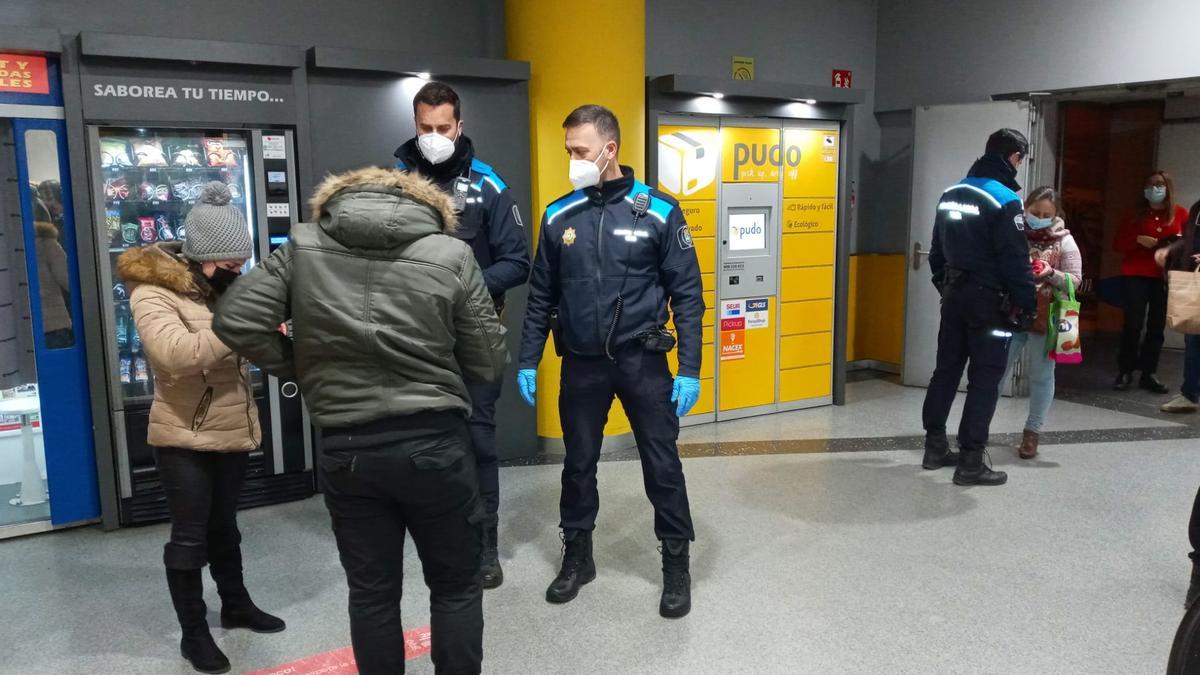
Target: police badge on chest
[458, 193]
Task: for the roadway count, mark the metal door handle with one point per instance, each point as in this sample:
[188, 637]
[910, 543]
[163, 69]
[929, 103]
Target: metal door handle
[916, 255]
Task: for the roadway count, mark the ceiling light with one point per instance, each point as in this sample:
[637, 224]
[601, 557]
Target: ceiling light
[423, 76]
[718, 95]
[810, 101]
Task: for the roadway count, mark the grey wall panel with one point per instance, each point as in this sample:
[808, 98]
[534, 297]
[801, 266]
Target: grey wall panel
[884, 217]
[359, 119]
[455, 27]
[791, 41]
[932, 52]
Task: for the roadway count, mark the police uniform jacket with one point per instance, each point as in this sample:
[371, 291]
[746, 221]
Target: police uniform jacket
[980, 230]
[591, 250]
[489, 220]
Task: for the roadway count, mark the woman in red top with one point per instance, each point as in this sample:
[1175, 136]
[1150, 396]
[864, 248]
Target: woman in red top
[1156, 224]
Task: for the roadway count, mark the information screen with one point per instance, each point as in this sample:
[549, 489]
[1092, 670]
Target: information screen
[747, 231]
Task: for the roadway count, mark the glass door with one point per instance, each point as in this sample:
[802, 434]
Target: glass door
[47, 465]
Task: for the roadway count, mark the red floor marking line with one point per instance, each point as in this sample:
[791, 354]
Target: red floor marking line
[417, 643]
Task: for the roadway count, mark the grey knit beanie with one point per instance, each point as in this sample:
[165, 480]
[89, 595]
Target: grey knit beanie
[215, 229]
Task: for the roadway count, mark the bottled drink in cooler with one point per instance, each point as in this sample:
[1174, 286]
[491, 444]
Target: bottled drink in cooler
[126, 369]
[124, 321]
[136, 338]
[140, 372]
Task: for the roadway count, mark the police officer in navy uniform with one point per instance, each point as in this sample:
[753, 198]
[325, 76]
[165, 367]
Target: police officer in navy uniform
[614, 263]
[980, 263]
[490, 222]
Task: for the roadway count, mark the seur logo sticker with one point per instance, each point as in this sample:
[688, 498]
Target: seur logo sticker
[685, 238]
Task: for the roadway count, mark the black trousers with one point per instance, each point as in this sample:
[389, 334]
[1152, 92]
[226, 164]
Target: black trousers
[202, 490]
[972, 331]
[643, 382]
[482, 425]
[1144, 301]
[425, 486]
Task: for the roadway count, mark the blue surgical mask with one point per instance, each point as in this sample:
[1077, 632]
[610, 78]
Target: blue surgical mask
[1156, 194]
[1036, 223]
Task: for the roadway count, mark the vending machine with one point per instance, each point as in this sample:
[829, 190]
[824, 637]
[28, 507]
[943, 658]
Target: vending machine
[145, 181]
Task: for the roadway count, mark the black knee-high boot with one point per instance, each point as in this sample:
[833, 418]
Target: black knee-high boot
[197, 645]
[237, 609]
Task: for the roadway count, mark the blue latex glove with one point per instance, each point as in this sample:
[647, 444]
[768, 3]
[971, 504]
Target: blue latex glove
[527, 382]
[685, 394]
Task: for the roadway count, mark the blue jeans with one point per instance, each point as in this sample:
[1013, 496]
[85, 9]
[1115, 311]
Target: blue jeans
[1041, 377]
[1191, 368]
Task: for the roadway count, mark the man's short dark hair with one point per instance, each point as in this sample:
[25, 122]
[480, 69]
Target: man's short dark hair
[435, 94]
[1007, 141]
[598, 116]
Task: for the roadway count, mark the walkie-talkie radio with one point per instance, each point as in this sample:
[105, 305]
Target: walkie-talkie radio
[653, 340]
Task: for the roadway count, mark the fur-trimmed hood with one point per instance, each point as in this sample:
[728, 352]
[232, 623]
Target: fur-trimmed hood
[159, 265]
[45, 230]
[360, 207]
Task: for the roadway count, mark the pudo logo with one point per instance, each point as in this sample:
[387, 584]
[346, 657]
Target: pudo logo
[745, 231]
[760, 156]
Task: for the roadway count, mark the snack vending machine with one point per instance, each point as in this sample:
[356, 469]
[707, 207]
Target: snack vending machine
[145, 181]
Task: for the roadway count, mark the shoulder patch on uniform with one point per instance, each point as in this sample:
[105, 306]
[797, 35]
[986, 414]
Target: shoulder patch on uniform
[564, 204]
[488, 175]
[517, 216]
[994, 189]
[685, 238]
[1019, 221]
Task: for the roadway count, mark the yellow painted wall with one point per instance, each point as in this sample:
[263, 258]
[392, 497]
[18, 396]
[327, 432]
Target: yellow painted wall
[577, 57]
[875, 328]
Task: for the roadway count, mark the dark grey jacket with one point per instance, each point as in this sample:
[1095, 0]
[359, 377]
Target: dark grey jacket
[390, 314]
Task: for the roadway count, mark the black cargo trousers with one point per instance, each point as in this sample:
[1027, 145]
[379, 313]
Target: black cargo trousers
[973, 330]
[424, 485]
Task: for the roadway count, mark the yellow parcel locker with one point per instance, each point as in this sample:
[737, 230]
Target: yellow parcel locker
[807, 316]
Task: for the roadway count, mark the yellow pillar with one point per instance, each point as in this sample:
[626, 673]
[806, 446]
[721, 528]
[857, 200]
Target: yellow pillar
[578, 53]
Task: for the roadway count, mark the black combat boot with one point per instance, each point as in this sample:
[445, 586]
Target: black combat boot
[937, 452]
[578, 568]
[1194, 588]
[237, 609]
[972, 471]
[489, 564]
[197, 645]
[677, 580]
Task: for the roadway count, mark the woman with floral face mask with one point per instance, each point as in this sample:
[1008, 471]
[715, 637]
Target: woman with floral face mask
[1143, 290]
[1055, 257]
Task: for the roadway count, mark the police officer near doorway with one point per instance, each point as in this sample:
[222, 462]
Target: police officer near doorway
[615, 261]
[490, 223]
[980, 263]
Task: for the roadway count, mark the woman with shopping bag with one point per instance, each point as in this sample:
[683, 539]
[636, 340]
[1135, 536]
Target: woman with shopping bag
[1058, 269]
[1182, 262]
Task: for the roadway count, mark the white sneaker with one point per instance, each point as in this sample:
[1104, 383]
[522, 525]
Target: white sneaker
[1179, 404]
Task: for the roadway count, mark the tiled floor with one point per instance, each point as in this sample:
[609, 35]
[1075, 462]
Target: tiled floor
[839, 562]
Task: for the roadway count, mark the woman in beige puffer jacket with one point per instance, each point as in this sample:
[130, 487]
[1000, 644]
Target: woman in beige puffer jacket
[204, 419]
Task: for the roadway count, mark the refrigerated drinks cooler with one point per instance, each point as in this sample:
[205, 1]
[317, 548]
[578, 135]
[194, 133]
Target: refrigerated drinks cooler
[146, 180]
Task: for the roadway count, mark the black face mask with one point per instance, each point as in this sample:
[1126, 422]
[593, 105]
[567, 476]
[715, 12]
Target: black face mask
[222, 279]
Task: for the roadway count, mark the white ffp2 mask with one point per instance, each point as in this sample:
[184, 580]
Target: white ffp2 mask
[584, 173]
[436, 148]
